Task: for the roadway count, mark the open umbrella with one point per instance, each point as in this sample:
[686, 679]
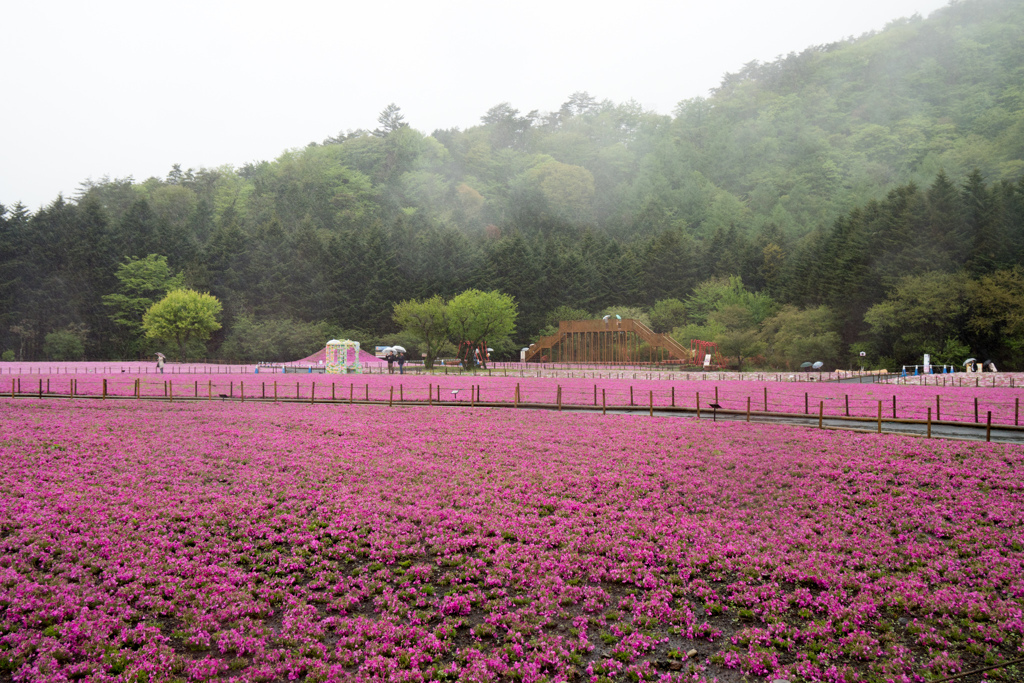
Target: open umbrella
[969, 361]
[817, 365]
[618, 317]
[400, 349]
[806, 365]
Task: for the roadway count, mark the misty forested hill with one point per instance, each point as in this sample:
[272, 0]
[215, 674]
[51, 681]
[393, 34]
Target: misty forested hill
[821, 180]
[813, 134]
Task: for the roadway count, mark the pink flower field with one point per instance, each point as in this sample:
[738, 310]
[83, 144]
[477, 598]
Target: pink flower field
[193, 541]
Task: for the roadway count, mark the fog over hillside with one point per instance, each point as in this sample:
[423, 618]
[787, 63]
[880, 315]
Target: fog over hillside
[118, 89]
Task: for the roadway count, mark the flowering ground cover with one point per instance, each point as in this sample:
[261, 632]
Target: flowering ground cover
[950, 403]
[985, 379]
[57, 368]
[191, 541]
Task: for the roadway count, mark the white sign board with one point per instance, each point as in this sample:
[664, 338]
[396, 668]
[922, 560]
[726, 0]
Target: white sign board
[707, 359]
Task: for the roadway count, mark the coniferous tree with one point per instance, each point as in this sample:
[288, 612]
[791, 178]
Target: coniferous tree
[670, 266]
[512, 268]
[981, 226]
[945, 221]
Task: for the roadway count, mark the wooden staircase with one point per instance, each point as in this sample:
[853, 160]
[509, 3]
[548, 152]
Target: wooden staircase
[661, 340]
[544, 343]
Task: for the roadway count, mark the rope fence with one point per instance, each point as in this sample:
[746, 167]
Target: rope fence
[1001, 408]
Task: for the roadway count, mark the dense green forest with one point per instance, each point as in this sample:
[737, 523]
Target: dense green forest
[864, 195]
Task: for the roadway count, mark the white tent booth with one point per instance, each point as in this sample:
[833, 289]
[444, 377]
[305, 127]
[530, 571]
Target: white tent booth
[342, 356]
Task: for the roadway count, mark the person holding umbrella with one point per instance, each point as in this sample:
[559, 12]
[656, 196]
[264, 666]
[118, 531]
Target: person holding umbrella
[160, 362]
[401, 359]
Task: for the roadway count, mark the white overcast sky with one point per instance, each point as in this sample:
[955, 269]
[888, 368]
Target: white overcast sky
[126, 88]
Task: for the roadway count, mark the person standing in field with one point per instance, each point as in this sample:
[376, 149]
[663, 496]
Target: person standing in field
[390, 358]
[401, 362]
[160, 362]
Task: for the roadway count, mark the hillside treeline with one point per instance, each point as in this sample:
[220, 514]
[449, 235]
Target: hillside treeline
[821, 181]
[60, 272]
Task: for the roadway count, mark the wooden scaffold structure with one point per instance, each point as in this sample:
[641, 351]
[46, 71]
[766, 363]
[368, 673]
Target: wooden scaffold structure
[608, 341]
